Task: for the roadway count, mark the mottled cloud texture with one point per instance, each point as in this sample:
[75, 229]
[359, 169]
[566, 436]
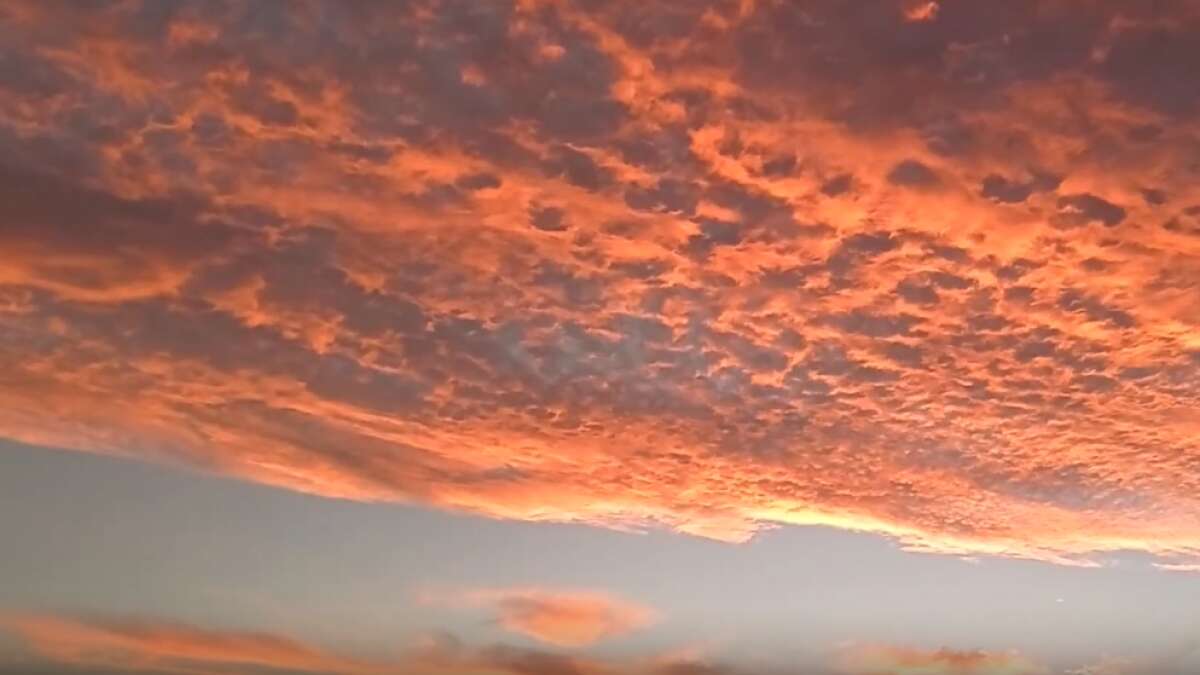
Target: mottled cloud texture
[924, 269]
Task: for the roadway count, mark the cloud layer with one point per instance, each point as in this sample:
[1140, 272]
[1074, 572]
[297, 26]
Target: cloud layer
[153, 646]
[922, 269]
[106, 645]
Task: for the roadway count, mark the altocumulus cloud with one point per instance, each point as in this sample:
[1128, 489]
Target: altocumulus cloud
[924, 269]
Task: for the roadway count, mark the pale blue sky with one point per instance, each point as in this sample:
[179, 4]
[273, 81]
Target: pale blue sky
[88, 534]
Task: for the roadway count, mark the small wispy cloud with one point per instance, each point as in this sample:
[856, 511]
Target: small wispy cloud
[1193, 568]
[877, 659]
[565, 618]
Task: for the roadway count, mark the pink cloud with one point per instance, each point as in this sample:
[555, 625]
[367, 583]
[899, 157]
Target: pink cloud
[704, 282]
[875, 659]
[565, 618]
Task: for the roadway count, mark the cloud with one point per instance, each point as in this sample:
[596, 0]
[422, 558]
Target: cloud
[713, 268]
[102, 646]
[921, 10]
[153, 646]
[911, 173]
[1107, 666]
[62, 644]
[561, 618]
[891, 660]
[1085, 207]
[1192, 568]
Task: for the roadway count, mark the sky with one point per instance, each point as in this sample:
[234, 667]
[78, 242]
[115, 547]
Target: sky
[599, 337]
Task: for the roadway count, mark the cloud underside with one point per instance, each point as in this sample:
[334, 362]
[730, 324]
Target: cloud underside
[921, 269]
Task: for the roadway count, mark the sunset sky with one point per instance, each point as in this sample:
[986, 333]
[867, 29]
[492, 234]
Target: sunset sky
[600, 337]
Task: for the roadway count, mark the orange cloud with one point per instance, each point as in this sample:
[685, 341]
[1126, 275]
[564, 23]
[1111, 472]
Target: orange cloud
[562, 618]
[154, 646]
[710, 267]
[891, 660]
[166, 647]
[171, 647]
[923, 10]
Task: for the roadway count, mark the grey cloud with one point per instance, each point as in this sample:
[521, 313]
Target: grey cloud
[478, 181]
[1006, 191]
[911, 173]
[1155, 65]
[839, 184]
[864, 322]
[1083, 208]
[917, 291]
[548, 219]
[1072, 300]
[578, 168]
